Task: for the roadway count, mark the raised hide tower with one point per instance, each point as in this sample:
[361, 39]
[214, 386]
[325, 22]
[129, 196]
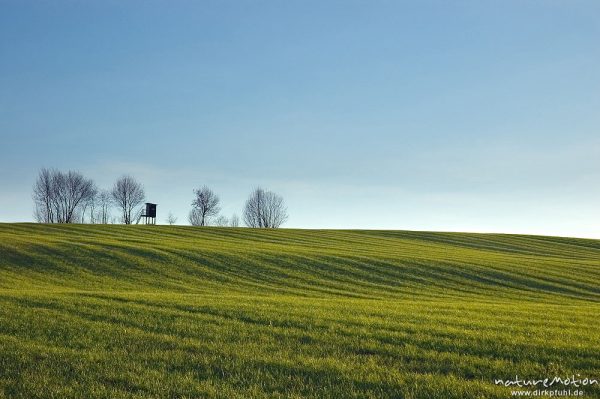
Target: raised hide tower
[149, 214]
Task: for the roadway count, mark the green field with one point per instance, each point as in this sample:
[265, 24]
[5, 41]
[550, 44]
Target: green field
[183, 312]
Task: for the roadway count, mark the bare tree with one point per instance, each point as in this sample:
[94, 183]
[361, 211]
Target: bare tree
[43, 197]
[264, 209]
[222, 221]
[90, 203]
[60, 197]
[171, 219]
[194, 217]
[234, 221]
[128, 194]
[76, 192]
[104, 204]
[206, 205]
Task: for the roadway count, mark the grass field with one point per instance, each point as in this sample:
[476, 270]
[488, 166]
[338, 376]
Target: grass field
[183, 312]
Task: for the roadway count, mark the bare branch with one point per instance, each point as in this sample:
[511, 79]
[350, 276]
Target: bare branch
[127, 195]
[61, 197]
[264, 209]
[205, 206]
[171, 219]
[221, 221]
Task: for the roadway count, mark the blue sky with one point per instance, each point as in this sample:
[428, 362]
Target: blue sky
[463, 116]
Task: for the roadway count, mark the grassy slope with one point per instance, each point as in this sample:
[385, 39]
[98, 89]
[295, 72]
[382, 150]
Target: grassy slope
[150, 311]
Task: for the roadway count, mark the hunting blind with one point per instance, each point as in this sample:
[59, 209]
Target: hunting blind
[150, 214]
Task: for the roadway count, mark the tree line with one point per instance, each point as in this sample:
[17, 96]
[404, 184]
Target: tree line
[69, 197]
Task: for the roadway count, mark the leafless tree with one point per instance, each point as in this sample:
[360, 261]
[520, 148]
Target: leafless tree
[127, 195]
[234, 221]
[222, 221]
[264, 209]
[43, 197]
[104, 200]
[59, 197]
[206, 205]
[194, 217]
[171, 219]
[90, 203]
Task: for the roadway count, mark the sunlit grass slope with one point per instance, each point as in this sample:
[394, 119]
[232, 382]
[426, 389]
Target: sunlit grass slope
[153, 311]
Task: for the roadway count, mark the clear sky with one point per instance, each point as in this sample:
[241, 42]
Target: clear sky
[423, 115]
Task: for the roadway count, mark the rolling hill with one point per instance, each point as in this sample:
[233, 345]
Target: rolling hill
[158, 311]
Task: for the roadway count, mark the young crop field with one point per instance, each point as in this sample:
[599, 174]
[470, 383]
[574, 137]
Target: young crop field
[91, 311]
